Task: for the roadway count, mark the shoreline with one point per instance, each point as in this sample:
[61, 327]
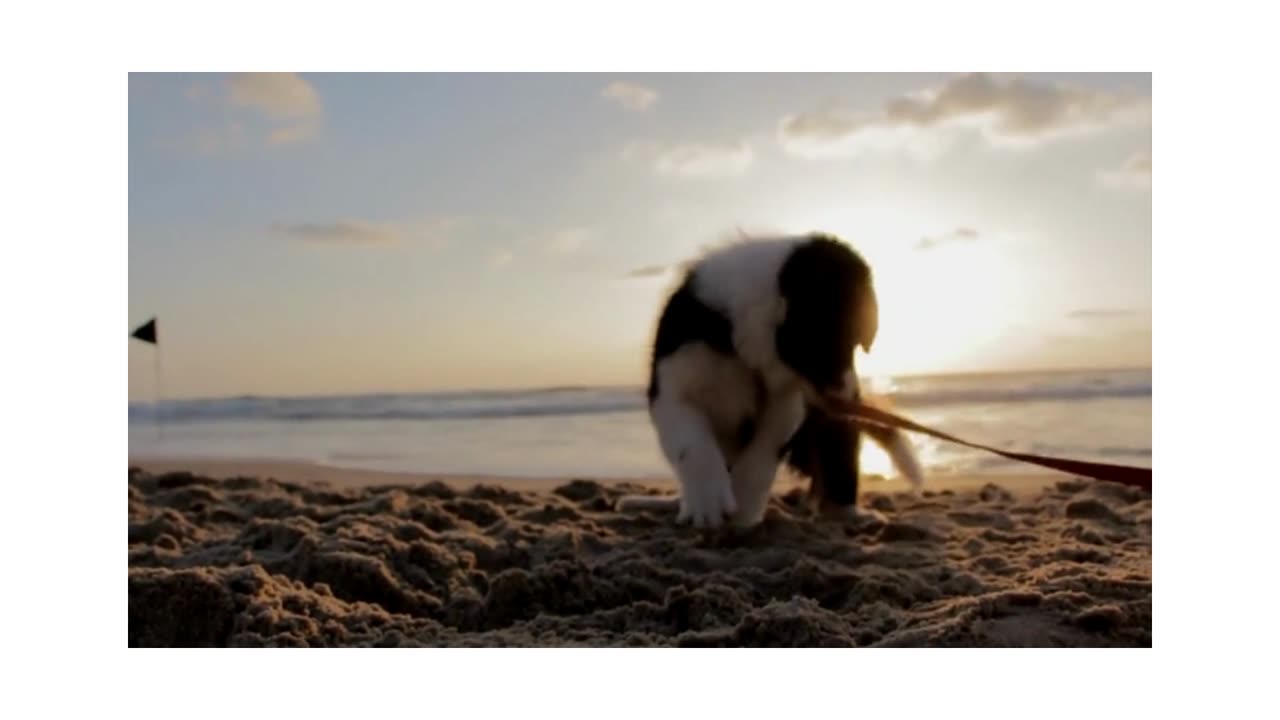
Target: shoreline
[305, 472]
[337, 476]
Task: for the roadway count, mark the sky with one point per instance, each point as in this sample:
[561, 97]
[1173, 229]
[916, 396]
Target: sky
[344, 233]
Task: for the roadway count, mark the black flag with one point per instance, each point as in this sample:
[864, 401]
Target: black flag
[147, 332]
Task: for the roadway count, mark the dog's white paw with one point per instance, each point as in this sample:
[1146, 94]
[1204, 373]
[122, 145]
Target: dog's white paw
[706, 505]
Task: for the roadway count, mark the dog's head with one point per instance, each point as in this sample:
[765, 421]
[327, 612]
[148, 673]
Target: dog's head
[830, 310]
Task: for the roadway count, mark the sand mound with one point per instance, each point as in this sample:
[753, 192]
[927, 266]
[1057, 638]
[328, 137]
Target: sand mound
[251, 562]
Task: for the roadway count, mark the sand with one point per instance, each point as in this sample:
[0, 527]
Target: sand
[254, 554]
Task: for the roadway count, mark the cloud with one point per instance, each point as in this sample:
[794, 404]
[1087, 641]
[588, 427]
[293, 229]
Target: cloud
[289, 103]
[282, 95]
[648, 271]
[347, 232]
[252, 110]
[1133, 174]
[711, 159]
[1009, 111]
[629, 96]
[501, 257]
[958, 235]
[1102, 313]
[434, 232]
[706, 159]
[828, 125]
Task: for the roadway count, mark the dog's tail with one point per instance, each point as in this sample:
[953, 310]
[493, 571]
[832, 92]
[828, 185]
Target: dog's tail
[903, 455]
[648, 502]
[898, 446]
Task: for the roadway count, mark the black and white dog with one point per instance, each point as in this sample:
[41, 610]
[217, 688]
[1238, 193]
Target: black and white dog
[756, 336]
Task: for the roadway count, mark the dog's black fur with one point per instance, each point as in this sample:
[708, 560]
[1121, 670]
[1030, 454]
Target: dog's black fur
[687, 319]
[831, 309]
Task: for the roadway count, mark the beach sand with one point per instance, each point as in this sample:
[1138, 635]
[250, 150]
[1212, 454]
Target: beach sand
[290, 554]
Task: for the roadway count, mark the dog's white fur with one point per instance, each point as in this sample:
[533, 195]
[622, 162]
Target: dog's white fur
[703, 395]
[741, 280]
[903, 457]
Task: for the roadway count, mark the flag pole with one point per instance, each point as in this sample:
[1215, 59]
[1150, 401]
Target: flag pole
[159, 395]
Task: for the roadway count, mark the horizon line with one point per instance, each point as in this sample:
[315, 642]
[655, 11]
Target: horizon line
[554, 388]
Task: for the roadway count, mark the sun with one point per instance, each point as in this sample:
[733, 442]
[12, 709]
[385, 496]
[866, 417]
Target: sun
[940, 305]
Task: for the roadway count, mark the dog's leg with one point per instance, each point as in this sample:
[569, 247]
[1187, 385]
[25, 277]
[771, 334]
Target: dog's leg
[684, 433]
[757, 467]
[825, 449]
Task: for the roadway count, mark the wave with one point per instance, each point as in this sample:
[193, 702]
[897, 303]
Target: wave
[567, 401]
[396, 407]
[1015, 395]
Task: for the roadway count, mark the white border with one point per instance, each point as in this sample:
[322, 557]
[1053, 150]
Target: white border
[65, 293]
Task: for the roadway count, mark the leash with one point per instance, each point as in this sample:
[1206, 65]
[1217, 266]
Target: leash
[1123, 474]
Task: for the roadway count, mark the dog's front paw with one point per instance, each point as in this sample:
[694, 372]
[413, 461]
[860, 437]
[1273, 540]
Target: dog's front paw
[707, 505]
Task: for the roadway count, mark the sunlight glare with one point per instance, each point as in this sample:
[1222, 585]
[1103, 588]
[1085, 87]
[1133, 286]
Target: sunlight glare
[938, 306]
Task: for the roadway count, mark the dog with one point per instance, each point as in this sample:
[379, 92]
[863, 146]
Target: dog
[747, 348]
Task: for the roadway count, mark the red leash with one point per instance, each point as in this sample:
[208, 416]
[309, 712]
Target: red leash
[1123, 474]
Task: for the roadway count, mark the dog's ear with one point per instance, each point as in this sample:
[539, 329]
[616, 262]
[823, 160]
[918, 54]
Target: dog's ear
[868, 318]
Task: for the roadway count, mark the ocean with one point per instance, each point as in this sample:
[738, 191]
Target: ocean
[1102, 415]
